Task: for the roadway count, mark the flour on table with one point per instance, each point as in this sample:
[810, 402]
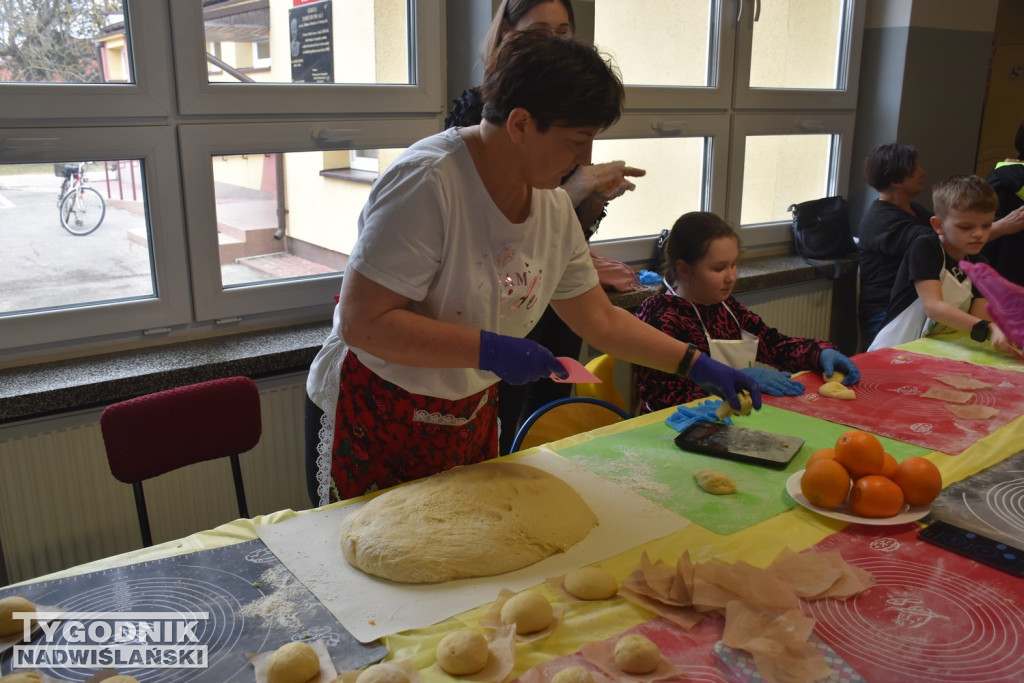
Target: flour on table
[285, 601]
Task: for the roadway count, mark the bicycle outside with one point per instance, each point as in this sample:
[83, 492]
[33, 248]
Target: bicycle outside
[81, 208]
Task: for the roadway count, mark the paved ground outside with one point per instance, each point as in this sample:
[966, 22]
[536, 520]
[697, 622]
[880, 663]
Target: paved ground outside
[44, 266]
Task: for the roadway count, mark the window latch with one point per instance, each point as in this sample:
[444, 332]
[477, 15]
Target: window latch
[335, 135]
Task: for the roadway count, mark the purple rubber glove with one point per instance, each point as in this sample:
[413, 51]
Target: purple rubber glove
[721, 380]
[516, 360]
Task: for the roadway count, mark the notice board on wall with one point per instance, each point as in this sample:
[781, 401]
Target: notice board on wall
[312, 41]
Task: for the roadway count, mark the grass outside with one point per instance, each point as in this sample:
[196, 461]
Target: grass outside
[25, 169]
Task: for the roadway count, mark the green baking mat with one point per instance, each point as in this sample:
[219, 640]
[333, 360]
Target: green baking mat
[648, 462]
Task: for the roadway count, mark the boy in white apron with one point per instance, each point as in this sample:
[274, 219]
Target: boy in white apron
[931, 293]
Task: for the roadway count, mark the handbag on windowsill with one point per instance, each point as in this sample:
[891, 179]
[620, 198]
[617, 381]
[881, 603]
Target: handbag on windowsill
[616, 276]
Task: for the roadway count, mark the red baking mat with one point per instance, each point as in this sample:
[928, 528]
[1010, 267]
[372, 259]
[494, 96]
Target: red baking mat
[931, 616]
[889, 401]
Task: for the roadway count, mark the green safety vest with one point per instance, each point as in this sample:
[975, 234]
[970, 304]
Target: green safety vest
[1020, 191]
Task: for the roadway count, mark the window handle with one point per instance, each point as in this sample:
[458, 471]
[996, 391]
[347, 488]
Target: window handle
[757, 10]
[335, 135]
[810, 126]
[27, 143]
[669, 127]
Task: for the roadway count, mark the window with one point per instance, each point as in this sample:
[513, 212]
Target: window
[184, 147]
[196, 199]
[750, 66]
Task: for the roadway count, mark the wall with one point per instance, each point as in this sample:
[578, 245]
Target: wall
[1004, 104]
[923, 82]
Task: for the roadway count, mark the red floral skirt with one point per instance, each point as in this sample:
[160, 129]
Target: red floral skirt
[385, 435]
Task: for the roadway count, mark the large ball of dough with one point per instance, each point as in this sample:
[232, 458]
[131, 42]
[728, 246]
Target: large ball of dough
[383, 673]
[529, 611]
[635, 654]
[478, 520]
[22, 678]
[463, 652]
[573, 674]
[121, 678]
[8, 606]
[591, 583]
[294, 662]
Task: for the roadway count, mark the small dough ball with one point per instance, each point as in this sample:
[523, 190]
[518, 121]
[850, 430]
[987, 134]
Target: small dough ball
[591, 583]
[383, 673]
[635, 654]
[746, 405]
[294, 662]
[121, 679]
[573, 674]
[8, 606]
[463, 652]
[836, 376]
[837, 390]
[529, 611]
[713, 481]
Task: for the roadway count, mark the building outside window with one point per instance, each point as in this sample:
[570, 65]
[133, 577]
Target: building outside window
[233, 143]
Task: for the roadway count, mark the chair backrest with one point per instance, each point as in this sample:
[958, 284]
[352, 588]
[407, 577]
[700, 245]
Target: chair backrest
[157, 433]
[566, 417]
[604, 368]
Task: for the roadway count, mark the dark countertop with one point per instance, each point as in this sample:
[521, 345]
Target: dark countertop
[63, 386]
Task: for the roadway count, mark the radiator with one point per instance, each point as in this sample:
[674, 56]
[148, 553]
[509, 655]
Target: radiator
[796, 310]
[60, 506]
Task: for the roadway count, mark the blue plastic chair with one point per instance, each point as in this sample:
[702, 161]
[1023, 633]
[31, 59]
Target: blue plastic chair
[566, 417]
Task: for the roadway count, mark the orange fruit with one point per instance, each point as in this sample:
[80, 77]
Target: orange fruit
[919, 479]
[823, 454]
[875, 496]
[889, 466]
[860, 453]
[825, 483]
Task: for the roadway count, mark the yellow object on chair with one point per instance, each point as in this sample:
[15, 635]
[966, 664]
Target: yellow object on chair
[604, 367]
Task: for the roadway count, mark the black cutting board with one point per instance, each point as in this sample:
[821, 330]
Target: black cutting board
[254, 604]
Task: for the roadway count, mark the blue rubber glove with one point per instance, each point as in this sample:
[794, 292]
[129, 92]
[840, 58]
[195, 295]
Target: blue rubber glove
[721, 380]
[831, 360]
[516, 360]
[774, 382]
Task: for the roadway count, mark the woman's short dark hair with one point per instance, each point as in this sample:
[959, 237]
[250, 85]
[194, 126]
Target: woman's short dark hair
[889, 164]
[690, 238]
[508, 15]
[558, 80]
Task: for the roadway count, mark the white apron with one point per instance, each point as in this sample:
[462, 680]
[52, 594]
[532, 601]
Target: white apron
[736, 353]
[913, 324]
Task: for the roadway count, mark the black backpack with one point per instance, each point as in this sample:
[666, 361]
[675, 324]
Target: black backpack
[821, 230]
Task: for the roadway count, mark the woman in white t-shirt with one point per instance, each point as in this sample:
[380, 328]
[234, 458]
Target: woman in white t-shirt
[464, 240]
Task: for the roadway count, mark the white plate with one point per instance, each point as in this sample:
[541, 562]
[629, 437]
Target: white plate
[907, 514]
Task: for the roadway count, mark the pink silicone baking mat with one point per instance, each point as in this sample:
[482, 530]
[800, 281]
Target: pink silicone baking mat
[931, 616]
[889, 400]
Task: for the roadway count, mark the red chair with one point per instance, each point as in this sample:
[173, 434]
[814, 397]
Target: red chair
[161, 432]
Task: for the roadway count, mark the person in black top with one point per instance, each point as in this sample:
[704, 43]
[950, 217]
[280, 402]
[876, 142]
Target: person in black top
[891, 223]
[590, 188]
[1006, 255]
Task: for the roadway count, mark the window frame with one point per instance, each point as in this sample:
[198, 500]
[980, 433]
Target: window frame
[776, 234]
[198, 96]
[745, 97]
[721, 60]
[149, 96]
[170, 306]
[647, 125]
[200, 142]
